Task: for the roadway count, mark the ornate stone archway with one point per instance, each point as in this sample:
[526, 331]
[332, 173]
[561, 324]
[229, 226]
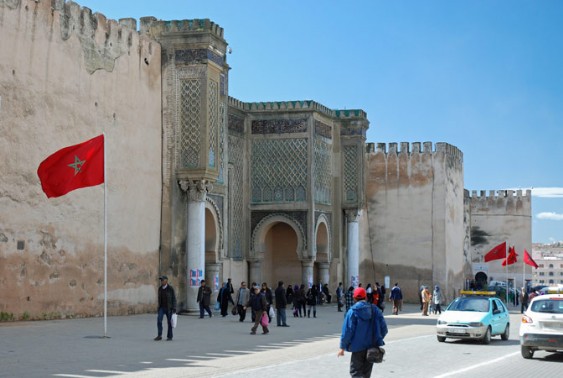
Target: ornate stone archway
[265, 239]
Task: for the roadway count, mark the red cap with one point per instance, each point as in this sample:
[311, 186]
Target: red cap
[360, 293]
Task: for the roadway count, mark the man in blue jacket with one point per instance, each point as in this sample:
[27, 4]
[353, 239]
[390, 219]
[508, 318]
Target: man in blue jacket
[363, 328]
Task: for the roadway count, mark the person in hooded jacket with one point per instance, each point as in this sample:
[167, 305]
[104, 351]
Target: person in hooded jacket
[363, 328]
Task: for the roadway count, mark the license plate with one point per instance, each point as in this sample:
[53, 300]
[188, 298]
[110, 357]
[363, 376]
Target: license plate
[456, 330]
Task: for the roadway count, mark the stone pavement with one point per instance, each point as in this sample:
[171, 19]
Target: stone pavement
[210, 347]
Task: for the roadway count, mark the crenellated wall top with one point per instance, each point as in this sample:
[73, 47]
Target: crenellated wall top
[203, 25]
[103, 40]
[300, 105]
[415, 148]
[500, 194]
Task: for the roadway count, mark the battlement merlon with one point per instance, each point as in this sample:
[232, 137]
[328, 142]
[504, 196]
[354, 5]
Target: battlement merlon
[496, 194]
[74, 11]
[285, 106]
[203, 25]
[199, 33]
[405, 148]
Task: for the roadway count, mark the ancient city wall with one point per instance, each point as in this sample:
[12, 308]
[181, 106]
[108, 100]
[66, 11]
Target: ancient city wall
[66, 76]
[498, 216]
[413, 216]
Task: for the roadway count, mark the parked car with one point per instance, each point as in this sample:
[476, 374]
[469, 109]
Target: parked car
[475, 315]
[542, 325]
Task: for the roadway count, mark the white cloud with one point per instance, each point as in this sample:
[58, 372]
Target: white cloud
[550, 216]
[547, 192]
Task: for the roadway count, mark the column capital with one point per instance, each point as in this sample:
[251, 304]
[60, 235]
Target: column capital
[307, 262]
[195, 189]
[353, 215]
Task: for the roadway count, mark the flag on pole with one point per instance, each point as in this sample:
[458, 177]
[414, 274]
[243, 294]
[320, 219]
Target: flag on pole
[497, 253]
[511, 258]
[73, 167]
[529, 260]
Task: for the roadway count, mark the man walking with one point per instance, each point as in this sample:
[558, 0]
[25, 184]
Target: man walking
[364, 327]
[396, 297]
[281, 304]
[166, 306]
[339, 296]
[259, 305]
[204, 299]
[243, 296]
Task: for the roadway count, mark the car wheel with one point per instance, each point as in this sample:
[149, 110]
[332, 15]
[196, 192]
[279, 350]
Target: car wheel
[487, 338]
[506, 333]
[527, 352]
[441, 339]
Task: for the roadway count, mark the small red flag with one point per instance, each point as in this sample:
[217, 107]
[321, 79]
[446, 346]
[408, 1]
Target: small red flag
[529, 260]
[497, 253]
[511, 258]
[73, 167]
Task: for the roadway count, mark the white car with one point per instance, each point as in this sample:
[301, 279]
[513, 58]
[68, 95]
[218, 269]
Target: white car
[542, 325]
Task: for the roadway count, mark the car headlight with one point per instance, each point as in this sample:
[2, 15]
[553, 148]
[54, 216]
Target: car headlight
[442, 322]
[476, 324]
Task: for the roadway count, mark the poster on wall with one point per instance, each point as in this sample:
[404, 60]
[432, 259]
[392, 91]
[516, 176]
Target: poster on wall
[355, 281]
[196, 275]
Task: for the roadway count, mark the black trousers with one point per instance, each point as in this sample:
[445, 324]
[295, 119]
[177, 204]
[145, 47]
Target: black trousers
[359, 366]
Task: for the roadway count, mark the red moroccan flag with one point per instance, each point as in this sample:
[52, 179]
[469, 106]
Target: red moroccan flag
[497, 253]
[73, 167]
[511, 258]
[529, 260]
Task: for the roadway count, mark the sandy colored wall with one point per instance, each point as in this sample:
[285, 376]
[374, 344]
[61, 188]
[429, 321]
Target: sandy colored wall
[66, 76]
[413, 216]
[498, 216]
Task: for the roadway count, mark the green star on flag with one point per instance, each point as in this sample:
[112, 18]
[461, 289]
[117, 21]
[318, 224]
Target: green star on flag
[77, 165]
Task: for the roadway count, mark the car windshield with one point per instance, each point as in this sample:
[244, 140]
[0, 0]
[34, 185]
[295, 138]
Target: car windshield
[470, 304]
[552, 306]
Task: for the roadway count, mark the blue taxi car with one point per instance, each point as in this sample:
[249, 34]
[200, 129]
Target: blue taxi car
[476, 315]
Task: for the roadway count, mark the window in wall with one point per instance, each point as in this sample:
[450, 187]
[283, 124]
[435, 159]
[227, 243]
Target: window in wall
[542, 273]
[551, 265]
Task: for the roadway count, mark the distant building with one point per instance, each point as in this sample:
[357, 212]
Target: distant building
[549, 258]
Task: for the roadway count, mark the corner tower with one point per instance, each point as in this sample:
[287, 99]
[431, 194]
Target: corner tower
[194, 103]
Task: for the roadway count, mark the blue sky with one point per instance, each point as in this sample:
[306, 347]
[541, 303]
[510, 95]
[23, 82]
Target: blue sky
[485, 76]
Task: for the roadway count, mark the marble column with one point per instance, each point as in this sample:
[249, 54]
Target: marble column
[255, 272]
[195, 238]
[353, 246]
[307, 273]
[212, 276]
[323, 273]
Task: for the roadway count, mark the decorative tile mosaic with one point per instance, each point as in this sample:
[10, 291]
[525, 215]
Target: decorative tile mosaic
[190, 119]
[279, 167]
[279, 126]
[236, 202]
[351, 173]
[323, 129]
[322, 171]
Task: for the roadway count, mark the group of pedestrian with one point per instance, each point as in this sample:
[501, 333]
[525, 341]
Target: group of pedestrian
[430, 302]
[364, 326]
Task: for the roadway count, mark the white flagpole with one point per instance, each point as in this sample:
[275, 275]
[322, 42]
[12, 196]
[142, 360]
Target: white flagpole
[505, 270]
[105, 244]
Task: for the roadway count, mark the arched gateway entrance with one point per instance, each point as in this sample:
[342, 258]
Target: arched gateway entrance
[277, 253]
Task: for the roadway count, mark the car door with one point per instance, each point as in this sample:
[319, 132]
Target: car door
[500, 317]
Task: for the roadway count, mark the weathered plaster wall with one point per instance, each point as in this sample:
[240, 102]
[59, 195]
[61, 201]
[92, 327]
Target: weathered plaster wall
[67, 75]
[498, 216]
[413, 216]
